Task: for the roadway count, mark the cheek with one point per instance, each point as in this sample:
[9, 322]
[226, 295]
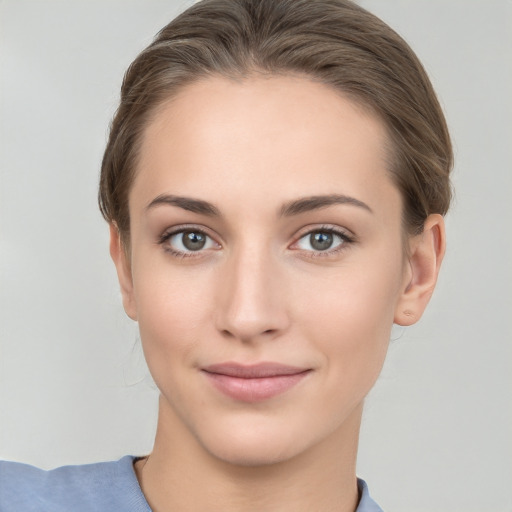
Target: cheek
[173, 307]
[349, 318]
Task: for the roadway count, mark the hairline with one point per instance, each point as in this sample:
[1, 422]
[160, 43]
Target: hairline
[361, 104]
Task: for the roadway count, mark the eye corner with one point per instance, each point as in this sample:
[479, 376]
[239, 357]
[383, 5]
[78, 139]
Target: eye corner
[331, 234]
[180, 248]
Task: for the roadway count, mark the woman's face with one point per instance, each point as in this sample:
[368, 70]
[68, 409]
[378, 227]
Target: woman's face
[267, 264]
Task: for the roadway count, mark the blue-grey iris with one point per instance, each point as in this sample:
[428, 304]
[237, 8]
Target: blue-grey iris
[321, 241]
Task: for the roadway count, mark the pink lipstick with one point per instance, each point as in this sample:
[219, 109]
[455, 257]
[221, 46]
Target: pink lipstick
[254, 383]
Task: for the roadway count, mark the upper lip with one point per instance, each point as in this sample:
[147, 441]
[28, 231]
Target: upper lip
[253, 371]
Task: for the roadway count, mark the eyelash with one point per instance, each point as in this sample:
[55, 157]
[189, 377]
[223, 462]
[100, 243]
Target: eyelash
[346, 240]
[167, 235]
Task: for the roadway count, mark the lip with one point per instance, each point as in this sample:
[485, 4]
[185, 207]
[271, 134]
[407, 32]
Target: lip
[256, 382]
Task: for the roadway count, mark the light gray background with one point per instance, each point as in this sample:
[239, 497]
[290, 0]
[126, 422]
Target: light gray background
[73, 387]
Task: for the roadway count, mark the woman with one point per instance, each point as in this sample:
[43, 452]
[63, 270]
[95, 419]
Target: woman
[275, 183]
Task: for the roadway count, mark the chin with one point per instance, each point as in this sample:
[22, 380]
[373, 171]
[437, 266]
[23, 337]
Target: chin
[247, 454]
[253, 445]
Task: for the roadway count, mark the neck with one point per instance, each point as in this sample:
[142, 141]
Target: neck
[181, 475]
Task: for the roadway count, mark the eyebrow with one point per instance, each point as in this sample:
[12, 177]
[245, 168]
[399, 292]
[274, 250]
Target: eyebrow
[307, 204]
[186, 203]
[295, 207]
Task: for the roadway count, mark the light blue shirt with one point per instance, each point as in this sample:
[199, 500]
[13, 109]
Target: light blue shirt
[105, 486]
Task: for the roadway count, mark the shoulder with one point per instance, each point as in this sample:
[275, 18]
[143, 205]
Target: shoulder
[88, 487]
[366, 503]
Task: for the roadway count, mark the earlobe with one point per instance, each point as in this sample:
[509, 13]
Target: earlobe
[124, 274]
[425, 257]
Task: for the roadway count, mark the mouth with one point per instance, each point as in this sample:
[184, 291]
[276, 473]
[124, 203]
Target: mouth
[254, 383]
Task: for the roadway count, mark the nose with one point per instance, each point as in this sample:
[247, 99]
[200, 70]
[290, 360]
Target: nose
[251, 302]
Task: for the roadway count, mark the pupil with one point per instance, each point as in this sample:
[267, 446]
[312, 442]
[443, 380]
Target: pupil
[321, 241]
[193, 241]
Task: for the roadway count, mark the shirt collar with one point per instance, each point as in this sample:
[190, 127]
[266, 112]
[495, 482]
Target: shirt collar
[366, 503]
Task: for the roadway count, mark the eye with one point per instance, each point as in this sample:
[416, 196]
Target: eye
[185, 242]
[323, 240]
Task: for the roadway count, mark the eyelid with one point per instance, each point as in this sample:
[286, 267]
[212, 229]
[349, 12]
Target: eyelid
[330, 228]
[174, 230]
[347, 236]
[186, 227]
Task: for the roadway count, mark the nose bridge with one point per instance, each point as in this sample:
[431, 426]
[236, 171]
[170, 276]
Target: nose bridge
[251, 298]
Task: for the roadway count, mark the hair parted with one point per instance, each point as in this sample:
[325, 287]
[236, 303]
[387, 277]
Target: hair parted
[335, 42]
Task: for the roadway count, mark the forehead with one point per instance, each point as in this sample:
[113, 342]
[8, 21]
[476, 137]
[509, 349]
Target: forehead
[261, 137]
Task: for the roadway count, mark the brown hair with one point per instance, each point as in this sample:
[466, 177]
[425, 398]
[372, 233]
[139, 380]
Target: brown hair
[335, 42]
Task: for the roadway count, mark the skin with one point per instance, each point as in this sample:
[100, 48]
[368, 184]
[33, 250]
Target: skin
[260, 291]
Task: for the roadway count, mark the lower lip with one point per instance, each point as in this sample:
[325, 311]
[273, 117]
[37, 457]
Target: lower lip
[254, 389]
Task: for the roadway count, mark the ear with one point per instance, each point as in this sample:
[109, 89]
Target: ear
[124, 272]
[426, 253]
